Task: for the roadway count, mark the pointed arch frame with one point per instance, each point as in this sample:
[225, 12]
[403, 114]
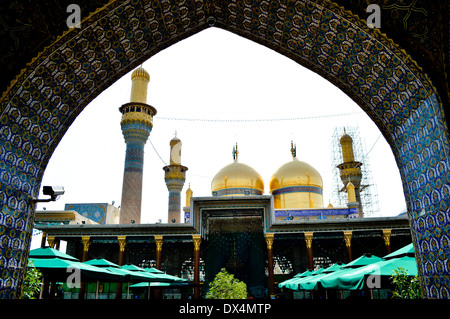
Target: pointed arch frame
[46, 97]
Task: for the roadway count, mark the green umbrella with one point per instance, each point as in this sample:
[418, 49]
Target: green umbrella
[387, 267]
[353, 279]
[132, 267]
[101, 262]
[295, 278]
[167, 277]
[153, 270]
[408, 250]
[154, 273]
[48, 252]
[60, 269]
[311, 283]
[364, 260]
[293, 282]
[127, 275]
[162, 280]
[331, 279]
[303, 274]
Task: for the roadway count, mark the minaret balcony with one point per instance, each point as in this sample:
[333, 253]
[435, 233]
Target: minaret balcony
[137, 111]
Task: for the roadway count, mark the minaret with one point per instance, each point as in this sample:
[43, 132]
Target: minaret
[187, 208]
[350, 170]
[175, 177]
[189, 194]
[136, 124]
[351, 192]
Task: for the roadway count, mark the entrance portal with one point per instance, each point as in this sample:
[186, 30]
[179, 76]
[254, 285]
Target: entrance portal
[235, 241]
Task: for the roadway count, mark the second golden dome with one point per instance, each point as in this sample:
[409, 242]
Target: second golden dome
[295, 173]
[295, 185]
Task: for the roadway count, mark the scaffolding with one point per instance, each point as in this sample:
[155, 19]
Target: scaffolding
[369, 193]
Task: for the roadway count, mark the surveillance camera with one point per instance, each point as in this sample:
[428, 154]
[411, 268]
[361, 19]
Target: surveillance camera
[53, 191]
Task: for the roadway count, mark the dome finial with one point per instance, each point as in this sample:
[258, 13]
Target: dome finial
[235, 152]
[293, 150]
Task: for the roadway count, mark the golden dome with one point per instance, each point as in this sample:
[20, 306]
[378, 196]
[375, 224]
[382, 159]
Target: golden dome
[237, 179]
[297, 184]
[295, 173]
[140, 72]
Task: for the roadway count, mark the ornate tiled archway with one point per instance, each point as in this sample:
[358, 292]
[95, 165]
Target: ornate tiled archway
[45, 98]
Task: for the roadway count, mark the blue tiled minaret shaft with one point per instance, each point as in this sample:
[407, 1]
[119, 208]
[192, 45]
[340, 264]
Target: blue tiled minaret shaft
[175, 176]
[136, 124]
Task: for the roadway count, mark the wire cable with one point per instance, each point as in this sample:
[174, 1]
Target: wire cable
[157, 152]
[367, 154]
[256, 120]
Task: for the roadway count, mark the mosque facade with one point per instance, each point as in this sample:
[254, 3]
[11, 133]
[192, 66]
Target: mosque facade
[261, 238]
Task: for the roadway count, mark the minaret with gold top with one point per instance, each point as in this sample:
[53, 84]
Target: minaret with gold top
[175, 176]
[187, 208]
[136, 124]
[350, 172]
[189, 194]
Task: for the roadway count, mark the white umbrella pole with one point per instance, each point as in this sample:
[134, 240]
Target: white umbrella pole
[96, 291]
[128, 291]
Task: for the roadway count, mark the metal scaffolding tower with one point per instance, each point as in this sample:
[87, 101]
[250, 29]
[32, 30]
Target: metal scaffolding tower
[368, 189]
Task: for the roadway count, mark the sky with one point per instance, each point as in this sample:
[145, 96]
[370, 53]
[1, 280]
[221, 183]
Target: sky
[195, 85]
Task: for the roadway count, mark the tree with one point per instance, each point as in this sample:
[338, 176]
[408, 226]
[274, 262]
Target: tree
[225, 286]
[32, 283]
[406, 287]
